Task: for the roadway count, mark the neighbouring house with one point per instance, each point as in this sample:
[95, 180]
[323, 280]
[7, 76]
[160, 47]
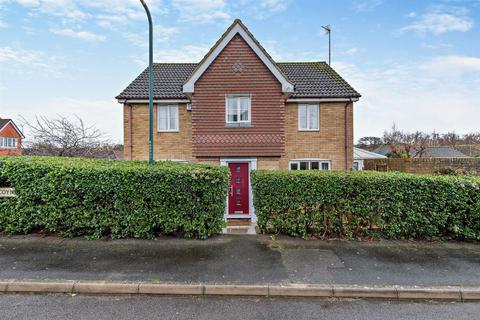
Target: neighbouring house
[10, 138]
[360, 155]
[430, 152]
[239, 108]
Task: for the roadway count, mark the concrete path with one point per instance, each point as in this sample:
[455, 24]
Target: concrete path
[242, 260]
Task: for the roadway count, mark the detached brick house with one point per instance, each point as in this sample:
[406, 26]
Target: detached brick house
[238, 107]
[10, 138]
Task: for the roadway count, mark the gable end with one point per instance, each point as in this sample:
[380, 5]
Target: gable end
[237, 28]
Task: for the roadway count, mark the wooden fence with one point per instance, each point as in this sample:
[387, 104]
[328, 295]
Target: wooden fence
[423, 165]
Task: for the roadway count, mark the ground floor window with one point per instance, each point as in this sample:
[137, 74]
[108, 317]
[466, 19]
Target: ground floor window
[356, 166]
[310, 165]
[8, 142]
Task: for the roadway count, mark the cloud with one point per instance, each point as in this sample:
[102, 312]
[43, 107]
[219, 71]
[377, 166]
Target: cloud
[67, 9]
[441, 19]
[16, 56]
[189, 53]
[367, 5]
[264, 8]
[416, 96]
[83, 35]
[452, 66]
[411, 14]
[161, 34]
[202, 11]
[29, 3]
[19, 63]
[350, 52]
[106, 13]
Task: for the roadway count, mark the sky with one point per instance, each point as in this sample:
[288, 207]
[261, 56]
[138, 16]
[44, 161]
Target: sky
[415, 62]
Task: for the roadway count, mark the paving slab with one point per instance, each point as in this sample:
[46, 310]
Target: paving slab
[237, 259]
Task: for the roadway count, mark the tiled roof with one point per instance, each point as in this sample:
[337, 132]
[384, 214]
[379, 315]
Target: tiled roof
[316, 80]
[311, 80]
[168, 79]
[3, 122]
[430, 152]
[359, 154]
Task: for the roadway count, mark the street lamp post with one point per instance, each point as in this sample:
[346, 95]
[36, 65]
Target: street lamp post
[150, 83]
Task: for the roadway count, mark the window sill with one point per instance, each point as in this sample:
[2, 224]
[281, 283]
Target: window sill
[308, 130]
[168, 131]
[8, 148]
[239, 125]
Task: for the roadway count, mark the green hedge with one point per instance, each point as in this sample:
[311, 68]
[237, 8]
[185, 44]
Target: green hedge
[95, 198]
[367, 204]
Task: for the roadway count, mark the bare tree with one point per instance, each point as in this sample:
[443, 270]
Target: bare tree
[395, 139]
[63, 137]
[369, 143]
[406, 145]
[451, 139]
[403, 144]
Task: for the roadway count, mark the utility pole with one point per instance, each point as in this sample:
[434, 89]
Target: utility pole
[328, 30]
[150, 83]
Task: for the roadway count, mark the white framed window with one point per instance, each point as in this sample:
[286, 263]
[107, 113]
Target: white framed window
[310, 164]
[167, 118]
[356, 166]
[238, 108]
[308, 117]
[8, 142]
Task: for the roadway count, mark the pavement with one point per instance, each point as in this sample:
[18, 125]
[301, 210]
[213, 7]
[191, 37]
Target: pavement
[51, 307]
[242, 265]
[235, 259]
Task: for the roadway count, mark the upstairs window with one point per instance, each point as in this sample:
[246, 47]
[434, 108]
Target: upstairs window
[310, 165]
[238, 108]
[168, 118]
[8, 142]
[308, 117]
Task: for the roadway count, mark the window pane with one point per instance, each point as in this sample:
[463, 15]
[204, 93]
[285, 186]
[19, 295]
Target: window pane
[355, 166]
[163, 118]
[312, 117]
[303, 165]
[232, 110]
[173, 117]
[294, 166]
[314, 165]
[302, 117]
[1, 142]
[244, 102]
[325, 166]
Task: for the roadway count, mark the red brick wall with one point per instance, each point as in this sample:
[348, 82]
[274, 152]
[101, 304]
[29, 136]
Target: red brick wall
[210, 135]
[9, 131]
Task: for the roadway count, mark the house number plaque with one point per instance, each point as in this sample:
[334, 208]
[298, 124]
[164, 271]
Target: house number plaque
[7, 193]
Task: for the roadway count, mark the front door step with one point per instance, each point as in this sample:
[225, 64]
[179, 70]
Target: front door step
[237, 227]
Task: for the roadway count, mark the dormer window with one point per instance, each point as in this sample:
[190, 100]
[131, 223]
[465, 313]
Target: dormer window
[238, 109]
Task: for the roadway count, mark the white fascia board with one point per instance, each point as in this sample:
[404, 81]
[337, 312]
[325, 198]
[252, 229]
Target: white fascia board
[322, 100]
[15, 127]
[189, 86]
[122, 101]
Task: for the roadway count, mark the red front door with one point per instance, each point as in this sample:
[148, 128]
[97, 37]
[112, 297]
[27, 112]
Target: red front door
[238, 194]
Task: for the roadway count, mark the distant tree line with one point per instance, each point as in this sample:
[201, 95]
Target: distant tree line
[67, 137]
[414, 144]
